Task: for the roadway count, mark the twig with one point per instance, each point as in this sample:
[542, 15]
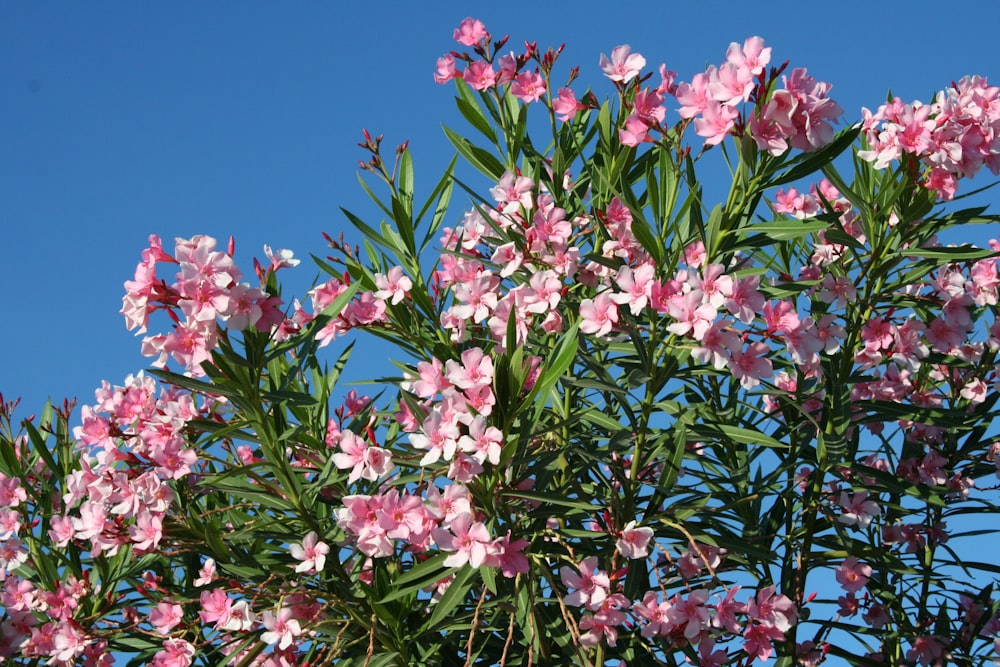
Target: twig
[510, 640]
[472, 629]
[371, 641]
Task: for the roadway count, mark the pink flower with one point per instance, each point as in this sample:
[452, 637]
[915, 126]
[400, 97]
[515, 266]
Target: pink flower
[445, 69]
[623, 65]
[508, 556]
[476, 370]
[753, 56]
[773, 609]
[394, 286]
[757, 640]
[654, 611]
[926, 650]
[513, 192]
[470, 32]
[565, 105]
[750, 364]
[598, 316]
[365, 462]
[690, 613]
[635, 132]
[469, 540]
[281, 628]
[483, 442]
[852, 575]
[590, 588]
[311, 552]
[280, 258]
[528, 87]
[480, 75]
[715, 123]
[857, 509]
[165, 617]
[146, 533]
[634, 542]
[175, 653]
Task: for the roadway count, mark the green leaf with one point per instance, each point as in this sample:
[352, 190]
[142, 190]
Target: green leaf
[374, 236]
[563, 356]
[40, 445]
[963, 253]
[784, 230]
[419, 576]
[552, 499]
[452, 598]
[469, 107]
[811, 163]
[477, 157]
[738, 434]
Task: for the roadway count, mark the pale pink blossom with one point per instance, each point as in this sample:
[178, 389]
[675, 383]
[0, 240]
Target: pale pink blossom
[853, 575]
[565, 106]
[598, 316]
[175, 653]
[280, 628]
[394, 286]
[528, 87]
[312, 552]
[444, 70]
[589, 588]
[470, 32]
[633, 542]
[165, 616]
[623, 65]
[480, 75]
[468, 539]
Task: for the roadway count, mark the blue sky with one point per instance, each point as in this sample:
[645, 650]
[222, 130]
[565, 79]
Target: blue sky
[125, 119]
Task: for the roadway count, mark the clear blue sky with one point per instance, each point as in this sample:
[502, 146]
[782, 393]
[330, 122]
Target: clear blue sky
[124, 119]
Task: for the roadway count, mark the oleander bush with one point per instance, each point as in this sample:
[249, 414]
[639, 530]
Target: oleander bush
[623, 422]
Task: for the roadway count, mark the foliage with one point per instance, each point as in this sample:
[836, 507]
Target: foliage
[629, 425]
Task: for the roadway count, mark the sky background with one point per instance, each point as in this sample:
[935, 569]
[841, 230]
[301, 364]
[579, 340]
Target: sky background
[120, 120]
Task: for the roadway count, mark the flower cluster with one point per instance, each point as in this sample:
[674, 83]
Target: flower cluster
[625, 425]
[953, 137]
[206, 291]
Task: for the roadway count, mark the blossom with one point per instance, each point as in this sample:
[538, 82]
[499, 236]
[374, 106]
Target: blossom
[513, 192]
[364, 461]
[852, 575]
[715, 122]
[634, 542]
[623, 65]
[691, 613]
[311, 552]
[480, 75]
[165, 617]
[445, 69]
[175, 653]
[280, 628]
[470, 32]
[589, 588]
[528, 87]
[565, 105]
[750, 364]
[280, 258]
[598, 316]
[392, 287]
[469, 540]
[652, 609]
[508, 557]
[857, 509]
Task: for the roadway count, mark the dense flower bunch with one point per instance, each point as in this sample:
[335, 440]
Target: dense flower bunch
[206, 291]
[627, 428]
[952, 138]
